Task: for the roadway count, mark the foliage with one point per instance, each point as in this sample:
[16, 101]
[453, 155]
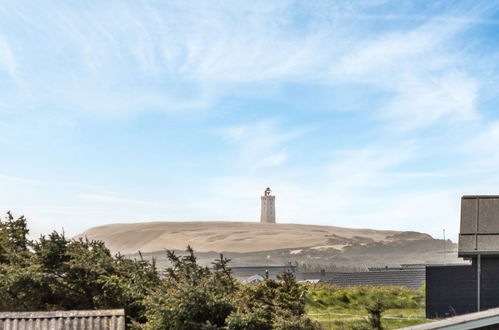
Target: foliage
[13, 240]
[375, 310]
[345, 307]
[56, 273]
[193, 297]
[321, 296]
[271, 305]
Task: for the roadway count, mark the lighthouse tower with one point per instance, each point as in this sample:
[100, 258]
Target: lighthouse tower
[268, 207]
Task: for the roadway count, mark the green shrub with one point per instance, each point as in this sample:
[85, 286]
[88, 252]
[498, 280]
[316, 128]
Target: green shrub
[56, 273]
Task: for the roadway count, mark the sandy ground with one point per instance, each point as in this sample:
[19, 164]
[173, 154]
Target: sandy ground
[226, 236]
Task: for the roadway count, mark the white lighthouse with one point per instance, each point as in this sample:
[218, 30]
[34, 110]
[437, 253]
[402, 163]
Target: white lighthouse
[267, 214]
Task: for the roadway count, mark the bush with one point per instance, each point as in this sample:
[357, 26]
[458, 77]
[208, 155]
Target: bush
[321, 296]
[56, 273]
[193, 297]
[375, 310]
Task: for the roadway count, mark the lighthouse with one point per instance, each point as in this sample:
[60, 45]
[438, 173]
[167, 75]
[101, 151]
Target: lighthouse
[267, 214]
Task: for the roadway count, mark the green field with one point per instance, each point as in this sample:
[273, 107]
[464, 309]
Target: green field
[345, 308]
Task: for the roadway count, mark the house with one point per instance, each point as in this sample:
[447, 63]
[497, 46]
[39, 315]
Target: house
[460, 289]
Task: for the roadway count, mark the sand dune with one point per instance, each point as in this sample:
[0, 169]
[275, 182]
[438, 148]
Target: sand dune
[232, 236]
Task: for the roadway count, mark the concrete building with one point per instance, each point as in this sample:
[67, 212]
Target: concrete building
[460, 289]
[267, 214]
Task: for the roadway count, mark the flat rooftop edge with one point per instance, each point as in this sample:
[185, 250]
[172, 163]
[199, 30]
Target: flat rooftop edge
[479, 196]
[462, 254]
[450, 265]
[63, 314]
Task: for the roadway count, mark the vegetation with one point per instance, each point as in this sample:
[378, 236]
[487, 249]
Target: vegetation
[56, 273]
[374, 318]
[365, 307]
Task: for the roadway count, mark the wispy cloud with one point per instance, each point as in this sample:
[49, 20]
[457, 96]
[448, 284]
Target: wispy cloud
[261, 144]
[179, 56]
[101, 91]
[113, 199]
[420, 70]
[367, 167]
[7, 61]
[423, 100]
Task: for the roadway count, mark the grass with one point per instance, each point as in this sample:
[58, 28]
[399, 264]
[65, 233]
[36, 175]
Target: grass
[345, 308]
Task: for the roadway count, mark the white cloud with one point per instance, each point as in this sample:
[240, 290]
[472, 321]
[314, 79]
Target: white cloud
[386, 54]
[367, 167]
[420, 70]
[482, 151]
[137, 56]
[261, 144]
[487, 139]
[424, 100]
[7, 61]
[123, 58]
[112, 199]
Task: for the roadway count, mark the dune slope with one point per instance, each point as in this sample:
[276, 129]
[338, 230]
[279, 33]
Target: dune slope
[234, 236]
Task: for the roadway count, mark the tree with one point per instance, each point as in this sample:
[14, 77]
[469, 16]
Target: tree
[56, 273]
[271, 305]
[191, 296]
[195, 297]
[375, 310]
[14, 241]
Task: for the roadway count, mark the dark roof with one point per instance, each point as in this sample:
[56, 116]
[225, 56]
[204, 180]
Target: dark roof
[242, 268]
[413, 278]
[479, 196]
[384, 269]
[409, 277]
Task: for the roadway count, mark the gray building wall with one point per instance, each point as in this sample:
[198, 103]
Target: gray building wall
[61, 320]
[489, 282]
[452, 290]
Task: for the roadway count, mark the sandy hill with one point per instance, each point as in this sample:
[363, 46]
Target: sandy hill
[252, 243]
[232, 236]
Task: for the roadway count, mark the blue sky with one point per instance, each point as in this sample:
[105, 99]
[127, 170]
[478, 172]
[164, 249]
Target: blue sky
[373, 114]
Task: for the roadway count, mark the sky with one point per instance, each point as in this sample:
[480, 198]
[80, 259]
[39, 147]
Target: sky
[366, 114]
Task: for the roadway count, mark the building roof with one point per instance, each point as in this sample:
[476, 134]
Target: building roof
[413, 278]
[109, 319]
[252, 279]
